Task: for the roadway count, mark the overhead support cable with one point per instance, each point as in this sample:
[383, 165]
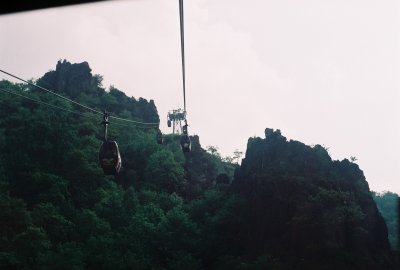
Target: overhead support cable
[91, 116]
[77, 103]
[45, 103]
[182, 51]
[51, 92]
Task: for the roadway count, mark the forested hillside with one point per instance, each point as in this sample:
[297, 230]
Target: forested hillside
[388, 203]
[309, 210]
[288, 206]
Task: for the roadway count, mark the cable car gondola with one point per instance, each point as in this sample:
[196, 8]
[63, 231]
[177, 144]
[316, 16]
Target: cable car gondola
[110, 158]
[185, 143]
[176, 116]
[185, 139]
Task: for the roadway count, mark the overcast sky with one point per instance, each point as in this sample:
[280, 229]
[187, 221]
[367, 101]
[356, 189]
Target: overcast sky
[324, 72]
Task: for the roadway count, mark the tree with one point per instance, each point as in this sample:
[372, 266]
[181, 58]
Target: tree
[387, 205]
[164, 173]
[237, 155]
[228, 159]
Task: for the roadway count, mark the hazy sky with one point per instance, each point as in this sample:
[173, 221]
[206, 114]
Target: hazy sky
[324, 72]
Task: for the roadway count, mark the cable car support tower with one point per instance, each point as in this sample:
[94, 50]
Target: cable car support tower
[176, 117]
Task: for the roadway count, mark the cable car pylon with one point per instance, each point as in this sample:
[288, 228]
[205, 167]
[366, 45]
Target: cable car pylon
[176, 117]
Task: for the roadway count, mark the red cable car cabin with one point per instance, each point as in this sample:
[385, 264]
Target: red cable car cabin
[110, 158]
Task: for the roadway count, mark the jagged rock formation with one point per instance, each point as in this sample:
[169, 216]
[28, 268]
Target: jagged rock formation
[77, 82]
[289, 206]
[307, 210]
[202, 169]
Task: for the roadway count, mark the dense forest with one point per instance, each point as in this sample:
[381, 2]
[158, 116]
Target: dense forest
[287, 206]
[388, 203]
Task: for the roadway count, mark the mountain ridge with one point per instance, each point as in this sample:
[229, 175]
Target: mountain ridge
[287, 206]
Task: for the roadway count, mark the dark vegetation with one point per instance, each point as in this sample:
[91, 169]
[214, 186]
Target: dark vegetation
[288, 206]
[387, 203]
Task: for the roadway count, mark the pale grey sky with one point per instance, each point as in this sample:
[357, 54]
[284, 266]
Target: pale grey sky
[324, 72]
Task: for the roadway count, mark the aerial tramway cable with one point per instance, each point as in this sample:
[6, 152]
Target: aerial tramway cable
[181, 21]
[49, 91]
[77, 103]
[185, 139]
[45, 103]
[109, 155]
[91, 116]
